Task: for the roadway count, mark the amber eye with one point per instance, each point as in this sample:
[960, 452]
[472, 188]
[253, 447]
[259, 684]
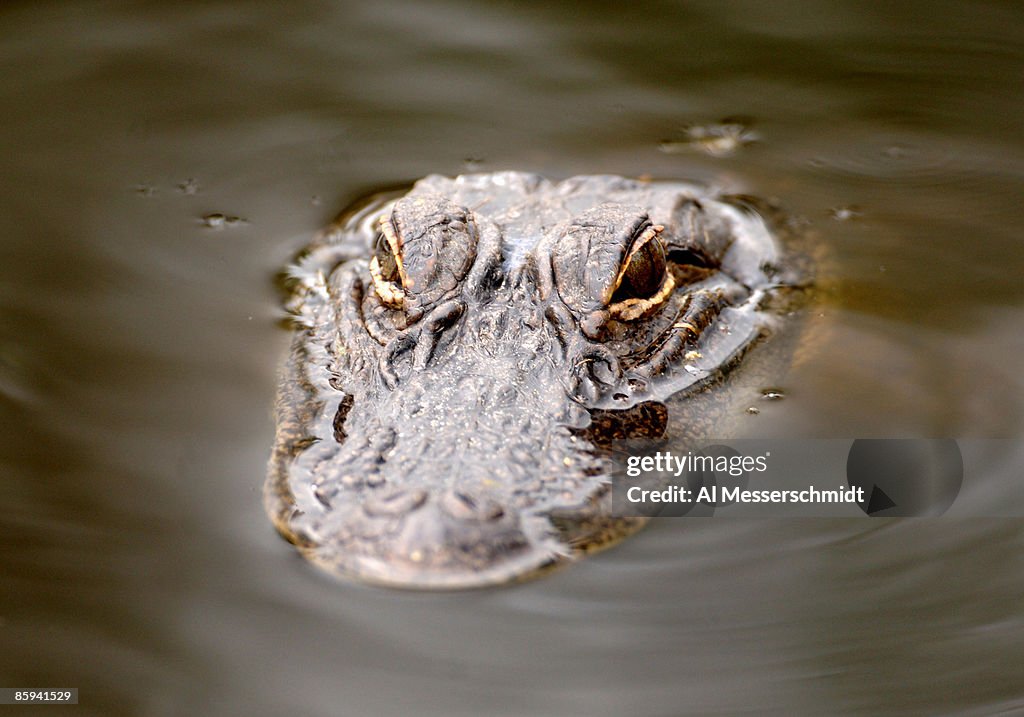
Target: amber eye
[386, 266]
[644, 282]
[386, 260]
[644, 273]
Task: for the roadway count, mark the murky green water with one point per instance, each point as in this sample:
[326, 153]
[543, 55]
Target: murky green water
[138, 349]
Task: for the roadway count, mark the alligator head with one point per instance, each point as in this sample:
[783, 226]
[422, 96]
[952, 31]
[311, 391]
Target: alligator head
[445, 415]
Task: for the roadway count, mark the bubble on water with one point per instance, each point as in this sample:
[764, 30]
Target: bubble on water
[217, 220]
[753, 410]
[773, 394]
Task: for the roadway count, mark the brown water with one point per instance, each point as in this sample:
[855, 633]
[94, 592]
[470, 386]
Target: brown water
[138, 349]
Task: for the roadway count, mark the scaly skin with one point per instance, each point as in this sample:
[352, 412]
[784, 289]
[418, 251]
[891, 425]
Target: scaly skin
[447, 415]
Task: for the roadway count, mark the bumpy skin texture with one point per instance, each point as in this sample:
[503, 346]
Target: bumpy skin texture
[452, 428]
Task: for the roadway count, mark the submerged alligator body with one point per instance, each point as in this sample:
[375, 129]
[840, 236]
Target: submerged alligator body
[465, 354]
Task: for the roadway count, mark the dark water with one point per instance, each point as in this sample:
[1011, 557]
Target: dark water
[138, 349]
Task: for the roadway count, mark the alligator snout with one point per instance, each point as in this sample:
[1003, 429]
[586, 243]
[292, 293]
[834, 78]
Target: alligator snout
[411, 537]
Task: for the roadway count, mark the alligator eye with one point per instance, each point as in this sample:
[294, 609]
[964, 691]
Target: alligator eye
[386, 266]
[644, 272]
[644, 281]
[426, 248]
[386, 260]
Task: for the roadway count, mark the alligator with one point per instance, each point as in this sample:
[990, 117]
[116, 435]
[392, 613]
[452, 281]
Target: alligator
[467, 354]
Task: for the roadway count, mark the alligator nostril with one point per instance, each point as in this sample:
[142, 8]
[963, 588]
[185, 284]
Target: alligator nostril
[396, 502]
[467, 506]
